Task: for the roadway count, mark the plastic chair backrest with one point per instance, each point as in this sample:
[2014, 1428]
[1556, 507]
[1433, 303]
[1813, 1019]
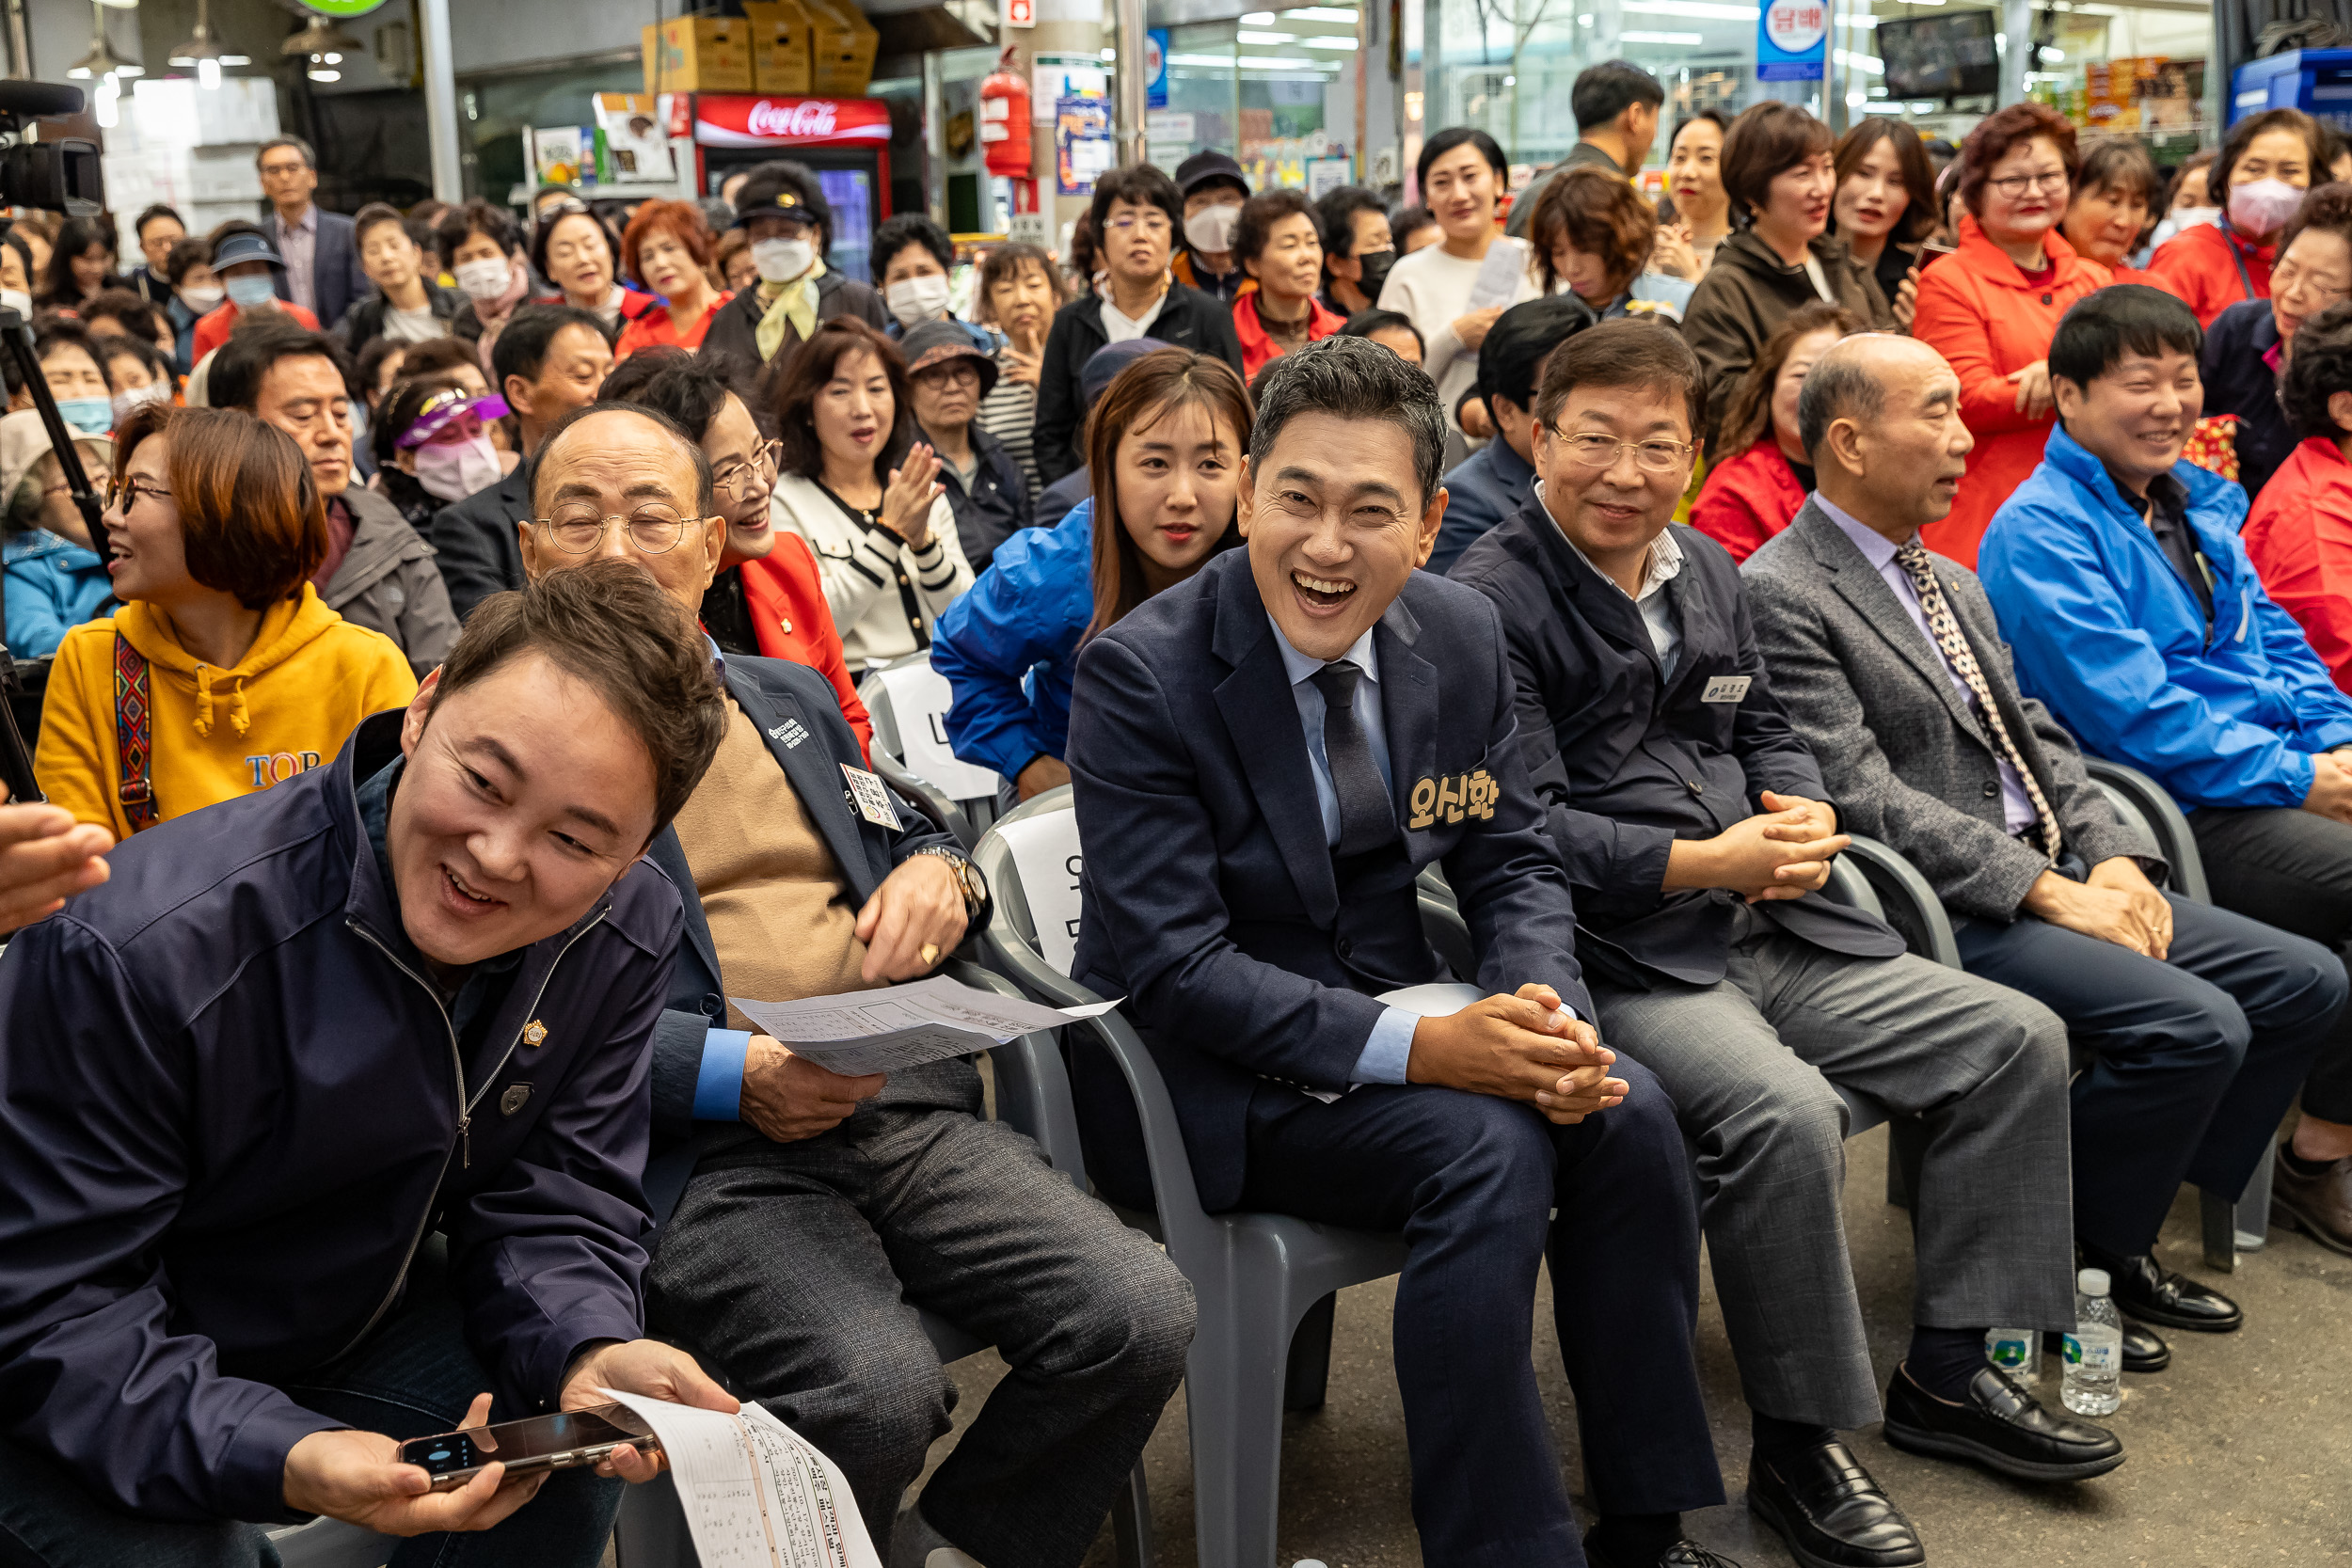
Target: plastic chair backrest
[909, 704]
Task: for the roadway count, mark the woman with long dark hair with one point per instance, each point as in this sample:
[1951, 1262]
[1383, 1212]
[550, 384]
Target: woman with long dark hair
[1885, 206]
[1165, 447]
[80, 265]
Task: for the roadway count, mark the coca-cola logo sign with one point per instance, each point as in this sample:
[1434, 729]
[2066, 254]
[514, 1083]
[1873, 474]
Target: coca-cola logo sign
[741, 120]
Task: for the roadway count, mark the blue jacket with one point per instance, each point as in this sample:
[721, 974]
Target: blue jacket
[1209, 895]
[52, 584]
[1483, 488]
[232, 1116]
[2109, 637]
[1008, 647]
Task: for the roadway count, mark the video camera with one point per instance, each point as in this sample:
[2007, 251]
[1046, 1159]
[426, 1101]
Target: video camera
[58, 175]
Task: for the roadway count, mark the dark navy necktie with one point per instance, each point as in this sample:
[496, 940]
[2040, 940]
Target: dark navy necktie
[1367, 814]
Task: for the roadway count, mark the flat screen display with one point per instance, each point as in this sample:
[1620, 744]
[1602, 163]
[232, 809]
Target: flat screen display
[1941, 56]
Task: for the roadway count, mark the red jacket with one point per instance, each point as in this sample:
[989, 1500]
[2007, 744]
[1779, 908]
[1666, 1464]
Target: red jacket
[2210, 269]
[790, 618]
[1258, 350]
[2299, 537]
[214, 326]
[1977, 310]
[1748, 500]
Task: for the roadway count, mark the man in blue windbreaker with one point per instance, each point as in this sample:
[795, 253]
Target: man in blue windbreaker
[2118, 577]
[328, 1113]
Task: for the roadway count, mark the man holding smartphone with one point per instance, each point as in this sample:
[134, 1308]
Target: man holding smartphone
[327, 1112]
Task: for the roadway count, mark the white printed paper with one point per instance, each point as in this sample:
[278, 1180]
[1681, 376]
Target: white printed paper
[1046, 853]
[755, 1494]
[1498, 275]
[903, 1026]
[919, 699]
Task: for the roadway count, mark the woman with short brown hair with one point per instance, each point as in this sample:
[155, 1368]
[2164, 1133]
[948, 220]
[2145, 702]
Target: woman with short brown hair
[224, 672]
[1593, 234]
[1991, 307]
[1019, 291]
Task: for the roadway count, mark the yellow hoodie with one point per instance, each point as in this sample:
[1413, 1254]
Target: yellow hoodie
[309, 679]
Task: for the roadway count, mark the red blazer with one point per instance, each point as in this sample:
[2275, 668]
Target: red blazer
[2202, 264]
[790, 618]
[2299, 537]
[1258, 350]
[1748, 500]
[1977, 310]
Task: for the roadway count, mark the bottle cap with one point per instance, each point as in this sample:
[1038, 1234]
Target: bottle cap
[2092, 1282]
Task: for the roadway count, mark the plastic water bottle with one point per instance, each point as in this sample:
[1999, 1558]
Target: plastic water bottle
[2094, 1352]
[2016, 1352]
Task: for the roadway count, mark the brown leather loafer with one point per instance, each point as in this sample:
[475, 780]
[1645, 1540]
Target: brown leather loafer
[2318, 1206]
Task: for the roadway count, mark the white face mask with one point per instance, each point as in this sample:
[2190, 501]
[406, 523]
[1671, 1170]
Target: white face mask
[1211, 229]
[455, 469]
[17, 301]
[2263, 207]
[483, 278]
[203, 301]
[916, 300]
[126, 403]
[782, 260]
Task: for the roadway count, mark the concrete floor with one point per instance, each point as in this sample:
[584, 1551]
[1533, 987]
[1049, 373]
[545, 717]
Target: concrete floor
[2240, 1453]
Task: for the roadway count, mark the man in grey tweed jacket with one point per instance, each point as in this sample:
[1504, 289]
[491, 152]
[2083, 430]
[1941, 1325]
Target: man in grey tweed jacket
[2202, 1022]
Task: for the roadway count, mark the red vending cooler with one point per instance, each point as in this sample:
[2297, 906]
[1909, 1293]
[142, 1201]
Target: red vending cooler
[845, 141]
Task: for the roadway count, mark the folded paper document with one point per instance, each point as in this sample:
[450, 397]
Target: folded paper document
[755, 1494]
[903, 1026]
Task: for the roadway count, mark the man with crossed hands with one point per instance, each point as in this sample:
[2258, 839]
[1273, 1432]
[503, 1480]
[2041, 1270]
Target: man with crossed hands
[1265, 758]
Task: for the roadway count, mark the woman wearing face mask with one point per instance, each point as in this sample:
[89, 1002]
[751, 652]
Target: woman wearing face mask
[2114, 191]
[1991, 307]
[914, 257]
[1213, 190]
[783, 211]
[433, 446]
[1780, 176]
[2250, 344]
[247, 265]
[1280, 246]
[863, 491]
[1019, 289]
[1755, 494]
[56, 577]
[69, 363]
[213, 527]
[1696, 215]
[136, 373]
[2264, 167]
[1165, 447]
[667, 246]
[766, 597]
[2188, 199]
[1445, 289]
[1884, 206]
[81, 264]
[196, 293]
[576, 251]
[480, 249]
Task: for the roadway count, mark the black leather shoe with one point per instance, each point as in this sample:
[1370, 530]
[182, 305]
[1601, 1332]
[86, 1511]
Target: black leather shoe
[2144, 1350]
[1829, 1510]
[1999, 1426]
[2146, 1290]
[1682, 1554]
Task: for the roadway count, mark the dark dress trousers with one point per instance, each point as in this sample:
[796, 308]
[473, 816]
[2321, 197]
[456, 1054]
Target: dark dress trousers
[2197, 1056]
[1253, 955]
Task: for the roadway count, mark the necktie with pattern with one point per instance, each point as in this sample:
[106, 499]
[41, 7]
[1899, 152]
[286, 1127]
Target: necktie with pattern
[1944, 627]
[1367, 814]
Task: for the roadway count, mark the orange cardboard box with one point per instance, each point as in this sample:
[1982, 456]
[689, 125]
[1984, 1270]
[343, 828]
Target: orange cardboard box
[780, 30]
[841, 48]
[698, 54]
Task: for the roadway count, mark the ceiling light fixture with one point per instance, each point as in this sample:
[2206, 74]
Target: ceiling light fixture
[101, 60]
[323, 46]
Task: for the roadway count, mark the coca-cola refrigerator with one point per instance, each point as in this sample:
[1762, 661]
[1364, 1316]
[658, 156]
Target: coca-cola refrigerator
[845, 141]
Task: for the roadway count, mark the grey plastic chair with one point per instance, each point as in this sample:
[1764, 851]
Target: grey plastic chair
[1256, 1279]
[966, 819]
[1032, 1097]
[2226, 1228]
[331, 1543]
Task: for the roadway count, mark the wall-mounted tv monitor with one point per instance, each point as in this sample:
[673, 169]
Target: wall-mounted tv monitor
[1941, 56]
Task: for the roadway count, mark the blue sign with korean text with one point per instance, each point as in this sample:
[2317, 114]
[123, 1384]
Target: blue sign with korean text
[1155, 68]
[1793, 41]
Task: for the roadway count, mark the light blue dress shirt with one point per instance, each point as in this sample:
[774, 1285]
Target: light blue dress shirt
[1390, 1045]
[2017, 813]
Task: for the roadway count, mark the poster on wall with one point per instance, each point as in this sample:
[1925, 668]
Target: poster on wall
[1053, 77]
[1083, 150]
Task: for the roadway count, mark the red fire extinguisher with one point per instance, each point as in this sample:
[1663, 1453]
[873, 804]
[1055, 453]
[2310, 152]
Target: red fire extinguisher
[1005, 119]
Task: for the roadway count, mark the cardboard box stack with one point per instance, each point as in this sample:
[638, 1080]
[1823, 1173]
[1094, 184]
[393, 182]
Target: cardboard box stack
[700, 54]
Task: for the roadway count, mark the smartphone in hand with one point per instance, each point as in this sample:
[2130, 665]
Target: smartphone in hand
[567, 1439]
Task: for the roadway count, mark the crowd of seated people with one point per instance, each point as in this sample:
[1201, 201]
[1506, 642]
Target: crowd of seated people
[443, 571]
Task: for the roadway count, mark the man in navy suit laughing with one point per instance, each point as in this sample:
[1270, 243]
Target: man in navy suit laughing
[1265, 758]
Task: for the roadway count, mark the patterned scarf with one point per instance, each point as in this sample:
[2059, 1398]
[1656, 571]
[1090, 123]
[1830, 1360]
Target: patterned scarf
[793, 304]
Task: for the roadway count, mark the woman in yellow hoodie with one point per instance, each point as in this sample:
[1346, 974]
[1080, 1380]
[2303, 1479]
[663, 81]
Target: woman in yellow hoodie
[224, 673]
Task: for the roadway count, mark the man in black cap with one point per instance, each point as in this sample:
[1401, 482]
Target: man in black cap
[1500, 477]
[790, 227]
[948, 376]
[1213, 190]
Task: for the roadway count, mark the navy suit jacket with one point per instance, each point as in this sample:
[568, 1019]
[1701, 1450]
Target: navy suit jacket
[1626, 761]
[796, 709]
[335, 271]
[1209, 893]
[1482, 489]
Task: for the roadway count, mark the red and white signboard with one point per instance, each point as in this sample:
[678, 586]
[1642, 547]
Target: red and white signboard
[1019, 13]
[1796, 26]
[735, 120]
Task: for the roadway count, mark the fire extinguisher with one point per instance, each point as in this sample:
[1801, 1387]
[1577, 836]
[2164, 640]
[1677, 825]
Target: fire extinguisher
[1005, 119]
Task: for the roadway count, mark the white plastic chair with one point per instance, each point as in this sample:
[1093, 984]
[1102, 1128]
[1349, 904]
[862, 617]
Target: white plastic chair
[965, 817]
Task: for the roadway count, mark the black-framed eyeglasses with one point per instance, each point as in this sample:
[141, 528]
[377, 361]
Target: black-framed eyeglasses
[653, 530]
[761, 466]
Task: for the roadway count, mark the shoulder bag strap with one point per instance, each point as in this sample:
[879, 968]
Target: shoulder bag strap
[134, 733]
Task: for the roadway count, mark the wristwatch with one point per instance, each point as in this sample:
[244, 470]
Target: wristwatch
[969, 880]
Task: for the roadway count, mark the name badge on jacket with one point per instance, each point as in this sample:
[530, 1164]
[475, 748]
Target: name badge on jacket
[871, 798]
[1453, 795]
[1726, 689]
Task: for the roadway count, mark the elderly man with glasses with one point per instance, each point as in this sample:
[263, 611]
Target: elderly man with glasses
[814, 1213]
[1697, 835]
